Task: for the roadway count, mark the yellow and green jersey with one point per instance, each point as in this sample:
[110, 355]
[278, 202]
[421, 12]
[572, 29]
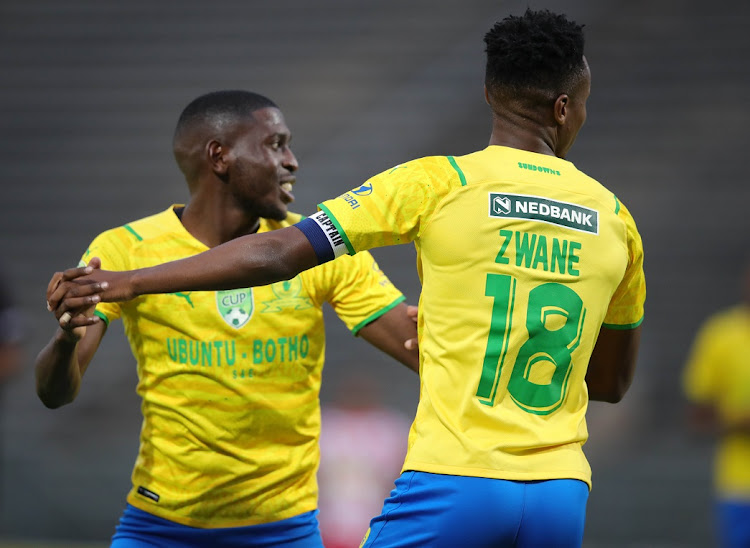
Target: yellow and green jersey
[718, 374]
[522, 259]
[230, 380]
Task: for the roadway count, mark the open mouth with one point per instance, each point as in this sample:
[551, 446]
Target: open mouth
[286, 192]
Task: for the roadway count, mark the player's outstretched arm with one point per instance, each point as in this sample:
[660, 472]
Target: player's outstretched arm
[612, 364]
[61, 364]
[257, 259]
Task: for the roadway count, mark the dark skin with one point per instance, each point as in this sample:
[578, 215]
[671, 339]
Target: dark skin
[550, 128]
[236, 175]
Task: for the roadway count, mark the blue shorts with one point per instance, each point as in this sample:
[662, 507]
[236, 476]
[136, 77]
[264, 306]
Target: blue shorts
[733, 523]
[139, 529]
[441, 511]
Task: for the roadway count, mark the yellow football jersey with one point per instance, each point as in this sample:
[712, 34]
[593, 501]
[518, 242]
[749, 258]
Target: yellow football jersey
[522, 259]
[230, 380]
[718, 374]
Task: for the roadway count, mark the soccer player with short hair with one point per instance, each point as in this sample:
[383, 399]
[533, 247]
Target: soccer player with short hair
[532, 300]
[230, 379]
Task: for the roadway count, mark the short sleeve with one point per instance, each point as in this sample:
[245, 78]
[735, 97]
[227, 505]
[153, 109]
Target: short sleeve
[392, 207]
[357, 290]
[626, 306]
[112, 247]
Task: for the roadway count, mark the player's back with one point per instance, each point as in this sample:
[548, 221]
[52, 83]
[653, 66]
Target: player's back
[519, 262]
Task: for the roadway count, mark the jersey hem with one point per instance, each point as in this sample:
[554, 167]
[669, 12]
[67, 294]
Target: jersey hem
[497, 474]
[335, 222]
[214, 523]
[372, 317]
[623, 326]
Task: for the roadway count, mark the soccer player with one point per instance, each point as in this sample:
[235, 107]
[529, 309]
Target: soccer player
[717, 383]
[229, 379]
[531, 304]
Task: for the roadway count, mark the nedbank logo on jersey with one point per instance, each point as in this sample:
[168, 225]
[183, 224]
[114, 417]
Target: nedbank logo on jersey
[235, 306]
[535, 208]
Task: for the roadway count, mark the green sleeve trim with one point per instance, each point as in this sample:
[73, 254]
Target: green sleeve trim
[335, 222]
[133, 232]
[377, 314]
[622, 327]
[617, 205]
[103, 316]
[461, 175]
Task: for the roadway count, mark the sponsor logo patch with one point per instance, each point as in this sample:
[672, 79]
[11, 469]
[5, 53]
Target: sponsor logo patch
[535, 208]
[364, 190]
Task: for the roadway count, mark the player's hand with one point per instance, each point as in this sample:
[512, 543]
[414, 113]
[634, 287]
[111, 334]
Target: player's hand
[85, 282]
[413, 312]
[73, 311]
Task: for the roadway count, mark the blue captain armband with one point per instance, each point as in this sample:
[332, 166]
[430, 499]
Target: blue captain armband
[323, 236]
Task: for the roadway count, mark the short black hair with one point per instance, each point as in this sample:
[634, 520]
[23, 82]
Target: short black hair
[538, 51]
[219, 107]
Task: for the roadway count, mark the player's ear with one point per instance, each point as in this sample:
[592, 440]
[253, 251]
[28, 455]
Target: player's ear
[217, 157]
[561, 108]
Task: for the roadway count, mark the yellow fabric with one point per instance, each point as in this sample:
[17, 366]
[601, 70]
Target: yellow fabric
[493, 403]
[718, 374]
[231, 414]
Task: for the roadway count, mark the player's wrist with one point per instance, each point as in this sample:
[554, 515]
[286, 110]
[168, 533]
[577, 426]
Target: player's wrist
[69, 337]
[135, 284]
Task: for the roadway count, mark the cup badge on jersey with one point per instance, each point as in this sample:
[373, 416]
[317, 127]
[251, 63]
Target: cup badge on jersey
[235, 306]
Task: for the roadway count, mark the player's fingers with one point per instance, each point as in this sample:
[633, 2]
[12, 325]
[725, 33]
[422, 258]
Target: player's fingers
[95, 262]
[412, 311]
[411, 344]
[70, 321]
[65, 319]
[76, 305]
[77, 272]
[67, 290]
[52, 285]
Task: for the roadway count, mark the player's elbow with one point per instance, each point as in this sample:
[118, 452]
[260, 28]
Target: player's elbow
[611, 390]
[52, 400]
[54, 397]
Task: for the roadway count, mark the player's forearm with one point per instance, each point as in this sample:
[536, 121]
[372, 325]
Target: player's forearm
[612, 364]
[390, 331]
[58, 374]
[244, 262]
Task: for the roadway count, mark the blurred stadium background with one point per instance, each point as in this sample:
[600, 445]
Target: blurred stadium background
[89, 95]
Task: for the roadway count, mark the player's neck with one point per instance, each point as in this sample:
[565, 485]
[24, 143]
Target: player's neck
[213, 223]
[516, 131]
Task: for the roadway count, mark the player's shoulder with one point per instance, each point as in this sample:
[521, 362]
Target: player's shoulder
[727, 319]
[609, 202]
[143, 229]
[436, 167]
